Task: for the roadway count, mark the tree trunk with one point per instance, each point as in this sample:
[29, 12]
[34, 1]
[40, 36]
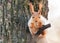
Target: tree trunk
[14, 16]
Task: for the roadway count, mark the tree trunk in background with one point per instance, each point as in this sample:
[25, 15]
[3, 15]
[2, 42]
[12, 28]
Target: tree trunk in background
[14, 16]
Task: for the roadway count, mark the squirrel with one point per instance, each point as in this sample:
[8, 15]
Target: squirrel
[36, 21]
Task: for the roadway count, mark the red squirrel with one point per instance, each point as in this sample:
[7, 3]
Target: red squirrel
[36, 21]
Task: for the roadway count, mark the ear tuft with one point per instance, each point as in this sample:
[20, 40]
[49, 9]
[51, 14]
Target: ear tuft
[31, 8]
[40, 8]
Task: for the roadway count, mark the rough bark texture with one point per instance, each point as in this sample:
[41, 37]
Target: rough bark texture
[14, 15]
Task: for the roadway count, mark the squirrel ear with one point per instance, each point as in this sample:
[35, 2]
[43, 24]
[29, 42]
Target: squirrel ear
[40, 8]
[39, 12]
[31, 8]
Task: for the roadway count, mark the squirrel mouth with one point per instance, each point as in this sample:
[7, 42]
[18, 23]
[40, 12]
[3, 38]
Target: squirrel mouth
[37, 25]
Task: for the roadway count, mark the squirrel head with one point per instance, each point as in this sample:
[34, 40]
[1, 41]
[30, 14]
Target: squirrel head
[36, 16]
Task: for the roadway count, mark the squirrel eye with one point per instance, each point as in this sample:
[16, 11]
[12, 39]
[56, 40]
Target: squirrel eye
[39, 17]
[32, 17]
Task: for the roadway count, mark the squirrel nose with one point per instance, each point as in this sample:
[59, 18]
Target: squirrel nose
[35, 21]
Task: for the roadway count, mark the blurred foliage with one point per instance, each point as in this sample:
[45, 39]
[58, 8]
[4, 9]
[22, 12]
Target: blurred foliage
[14, 16]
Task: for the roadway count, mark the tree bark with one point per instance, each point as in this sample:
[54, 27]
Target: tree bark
[14, 16]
